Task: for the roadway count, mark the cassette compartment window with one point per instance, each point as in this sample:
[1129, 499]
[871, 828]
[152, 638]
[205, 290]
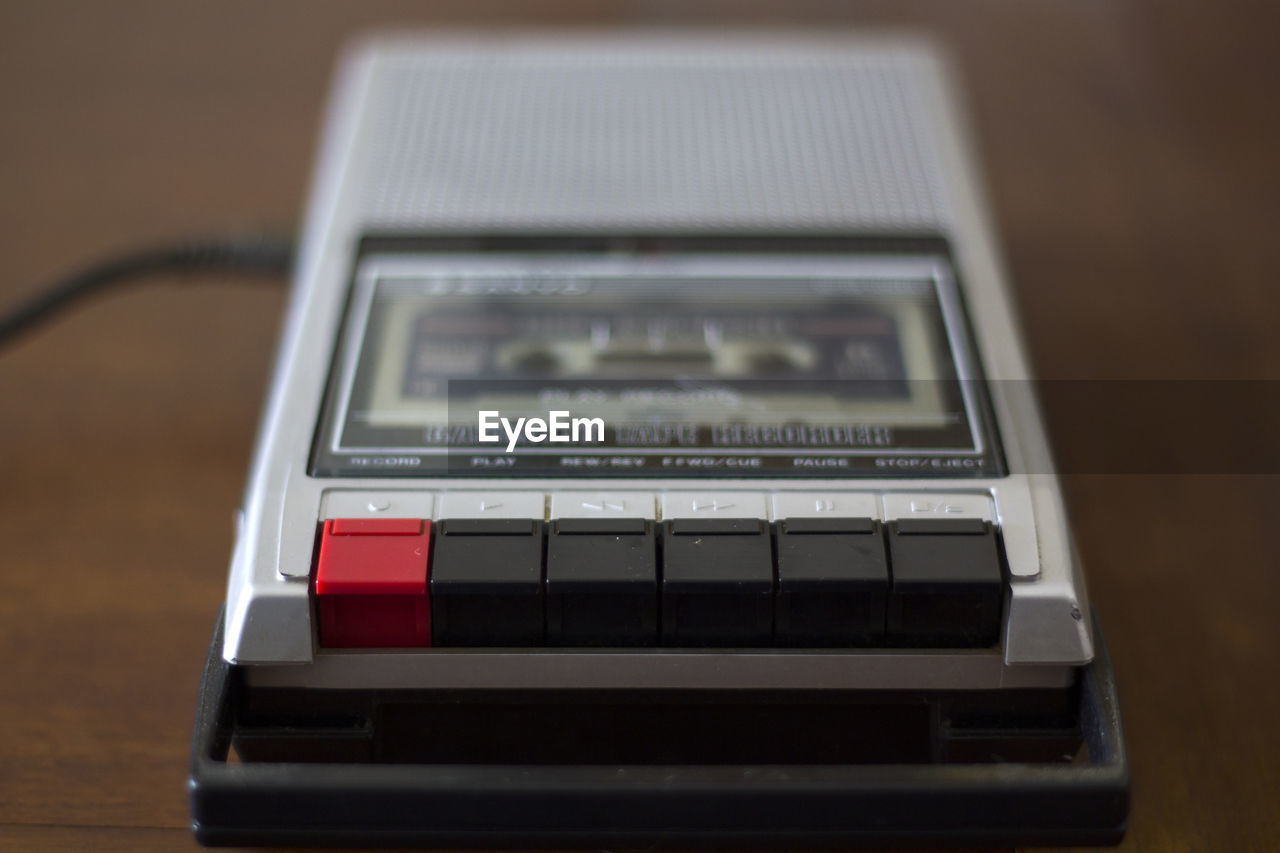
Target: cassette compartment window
[741, 366]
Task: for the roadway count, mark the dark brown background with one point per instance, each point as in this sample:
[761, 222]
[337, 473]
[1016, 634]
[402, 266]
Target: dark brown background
[1131, 151]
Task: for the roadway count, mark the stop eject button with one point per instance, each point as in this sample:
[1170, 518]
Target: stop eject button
[947, 587]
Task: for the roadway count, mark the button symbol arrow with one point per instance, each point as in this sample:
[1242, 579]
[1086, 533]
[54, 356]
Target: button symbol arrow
[604, 505]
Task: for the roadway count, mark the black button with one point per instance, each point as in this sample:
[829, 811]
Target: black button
[602, 583]
[486, 583]
[717, 583]
[713, 526]
[947, 588]
[833, 580]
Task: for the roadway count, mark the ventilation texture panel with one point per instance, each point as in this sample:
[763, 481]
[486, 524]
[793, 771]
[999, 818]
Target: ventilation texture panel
[560, 137]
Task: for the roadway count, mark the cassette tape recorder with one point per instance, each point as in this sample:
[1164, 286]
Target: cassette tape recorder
[650, 459]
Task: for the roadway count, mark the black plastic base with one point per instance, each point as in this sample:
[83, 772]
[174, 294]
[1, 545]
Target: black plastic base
[348, 782]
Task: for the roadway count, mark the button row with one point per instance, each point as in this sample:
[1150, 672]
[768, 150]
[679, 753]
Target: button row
[686, 582]
[673, 504]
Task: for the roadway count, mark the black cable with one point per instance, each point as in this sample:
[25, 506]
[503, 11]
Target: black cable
[238, 255]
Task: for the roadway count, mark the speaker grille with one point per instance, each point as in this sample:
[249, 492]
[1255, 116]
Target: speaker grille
[643, 137]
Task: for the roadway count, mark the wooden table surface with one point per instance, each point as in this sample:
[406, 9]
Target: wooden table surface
[1131, 151]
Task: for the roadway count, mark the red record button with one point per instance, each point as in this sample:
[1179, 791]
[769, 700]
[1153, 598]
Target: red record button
[375, 526]
[371, 583]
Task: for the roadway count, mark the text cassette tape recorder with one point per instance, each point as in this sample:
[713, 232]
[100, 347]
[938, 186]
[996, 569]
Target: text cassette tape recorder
[648, 459]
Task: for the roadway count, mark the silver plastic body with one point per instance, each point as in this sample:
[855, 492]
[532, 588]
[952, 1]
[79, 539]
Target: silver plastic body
[757, 136]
